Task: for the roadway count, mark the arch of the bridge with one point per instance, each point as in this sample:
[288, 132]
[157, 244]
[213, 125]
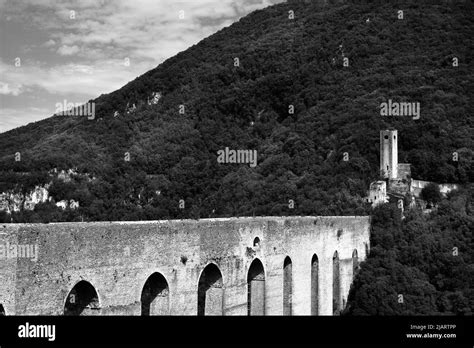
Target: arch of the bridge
[336, 284]
[155, 296]
[256, 288]
[355, 262]
[83, 299]
[210, 291]
[314, 285]
[287, 286]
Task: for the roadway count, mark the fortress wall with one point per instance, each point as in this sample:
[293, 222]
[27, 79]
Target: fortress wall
[418, 185]
[117, 259]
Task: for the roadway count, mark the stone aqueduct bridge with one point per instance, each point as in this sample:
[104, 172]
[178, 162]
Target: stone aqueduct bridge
[229, 266]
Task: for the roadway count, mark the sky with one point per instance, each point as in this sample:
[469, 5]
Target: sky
[71, 51]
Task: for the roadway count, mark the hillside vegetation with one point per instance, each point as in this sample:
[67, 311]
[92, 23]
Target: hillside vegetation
[282, 63]
[423, 266]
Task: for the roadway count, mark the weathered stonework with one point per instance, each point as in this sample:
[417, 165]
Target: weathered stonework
[117, 259]
[377, 193]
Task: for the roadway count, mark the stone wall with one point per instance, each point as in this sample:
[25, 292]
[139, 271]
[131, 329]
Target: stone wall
[399, 186]
[418, 185]
[377, 193]
[404, 171]
[117, 259]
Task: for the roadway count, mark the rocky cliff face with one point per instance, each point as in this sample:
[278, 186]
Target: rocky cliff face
[13, 202]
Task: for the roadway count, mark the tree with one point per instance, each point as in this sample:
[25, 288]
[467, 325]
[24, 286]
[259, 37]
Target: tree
[431, 194]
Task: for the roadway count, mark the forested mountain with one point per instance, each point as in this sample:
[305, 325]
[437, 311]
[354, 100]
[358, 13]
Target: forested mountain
[238, 89]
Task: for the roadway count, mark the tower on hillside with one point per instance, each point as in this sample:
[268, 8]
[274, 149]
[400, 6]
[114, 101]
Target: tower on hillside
[389, 154]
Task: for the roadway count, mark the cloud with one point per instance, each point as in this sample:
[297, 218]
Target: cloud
[65, 50]
[71, 78]
[49, 43]
[6, 89]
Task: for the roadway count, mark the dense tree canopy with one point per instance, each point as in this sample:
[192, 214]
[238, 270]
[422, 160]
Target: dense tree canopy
[431, 193]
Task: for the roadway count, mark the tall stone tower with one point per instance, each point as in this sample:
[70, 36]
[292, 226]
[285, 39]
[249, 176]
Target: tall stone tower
[389, 154]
